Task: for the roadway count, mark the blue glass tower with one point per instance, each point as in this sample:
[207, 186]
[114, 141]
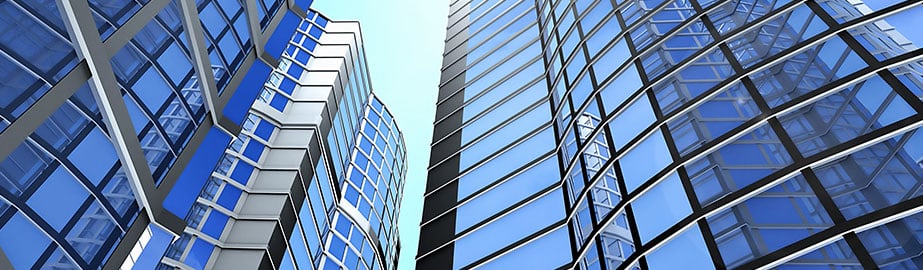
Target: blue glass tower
[677, 134]
[181, 134]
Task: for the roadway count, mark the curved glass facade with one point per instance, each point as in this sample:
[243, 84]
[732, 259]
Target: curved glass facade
[624, 134]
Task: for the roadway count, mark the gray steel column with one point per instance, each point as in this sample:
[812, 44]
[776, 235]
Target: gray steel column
[33, 117]
[200, 60]
[253, 22]
[106, 91]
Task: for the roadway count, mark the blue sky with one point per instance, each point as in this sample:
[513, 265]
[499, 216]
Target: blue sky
[403, 43]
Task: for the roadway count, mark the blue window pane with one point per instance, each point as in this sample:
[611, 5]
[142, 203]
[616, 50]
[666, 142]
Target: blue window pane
[242, 172]
[876, 177]
[816, 66]
[738, 164]
[22, 168]
[215, 224]
[870, 104]
[279, 102]
[254, 150]
[94, 156]
[686, 251]
[692, 80]
[787, 30]
[620, 88]
[551, 250]
[522, 78]
[498, 72]
[716, 116]
[730, 16]
[515, 157]
[302, 253]
[837, 255]
[645, 160]
[780, 216]
[486, 122]
[502, 136]
[58, 199]
[509, 228]
[229, 197]
[661, 207]
[116, 11]
[92, 230]
[199, 254]
[45, 52]
[286, 263]
[507, 193]
[891, 36]
[22, 242]
[630, 122]
[62, 127]
[895, 245]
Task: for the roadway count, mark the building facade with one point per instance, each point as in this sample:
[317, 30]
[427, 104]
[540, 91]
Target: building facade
[192, 135]
[677, 134]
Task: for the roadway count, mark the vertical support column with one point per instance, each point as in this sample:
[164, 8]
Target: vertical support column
[89, 47]
[256, 33]
[200, 59]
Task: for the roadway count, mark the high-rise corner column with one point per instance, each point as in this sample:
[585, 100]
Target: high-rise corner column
[200, 60]
[253, 22]
[106, 91]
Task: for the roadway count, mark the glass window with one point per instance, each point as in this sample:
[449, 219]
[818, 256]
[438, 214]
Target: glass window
[620, 88]
[94, 156]
[661, 207]
[895, 245]
[499, 165]
[686, 251]
[89, 234]
[551, 250]
[676, 49]
[22, 168]
[629, 123]
[520, 79]
[713, 118]
[806, 71]
[836, 255]
[22, 242]
[509, 228]
[507, 193]
[495, 75]
[645, 160]
[738, 164]
[692, 80]
[661, 23]
[776, 218]
[616, 56]
[502, 111]
[786, 31]
[876, 177]
[503, 136]
[58, 198]
[856, 110]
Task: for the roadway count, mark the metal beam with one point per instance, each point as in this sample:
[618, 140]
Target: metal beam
[106, 91]
[31, 119]
[200, 59]
[253, 22]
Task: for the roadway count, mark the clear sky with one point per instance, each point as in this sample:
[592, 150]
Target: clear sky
[403, 43]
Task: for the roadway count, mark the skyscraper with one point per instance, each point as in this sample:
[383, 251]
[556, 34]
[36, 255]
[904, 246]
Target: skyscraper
[677, 134]
[192, 135]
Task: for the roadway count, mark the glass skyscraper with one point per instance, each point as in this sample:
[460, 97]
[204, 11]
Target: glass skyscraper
[180, 134]
[677, 134]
